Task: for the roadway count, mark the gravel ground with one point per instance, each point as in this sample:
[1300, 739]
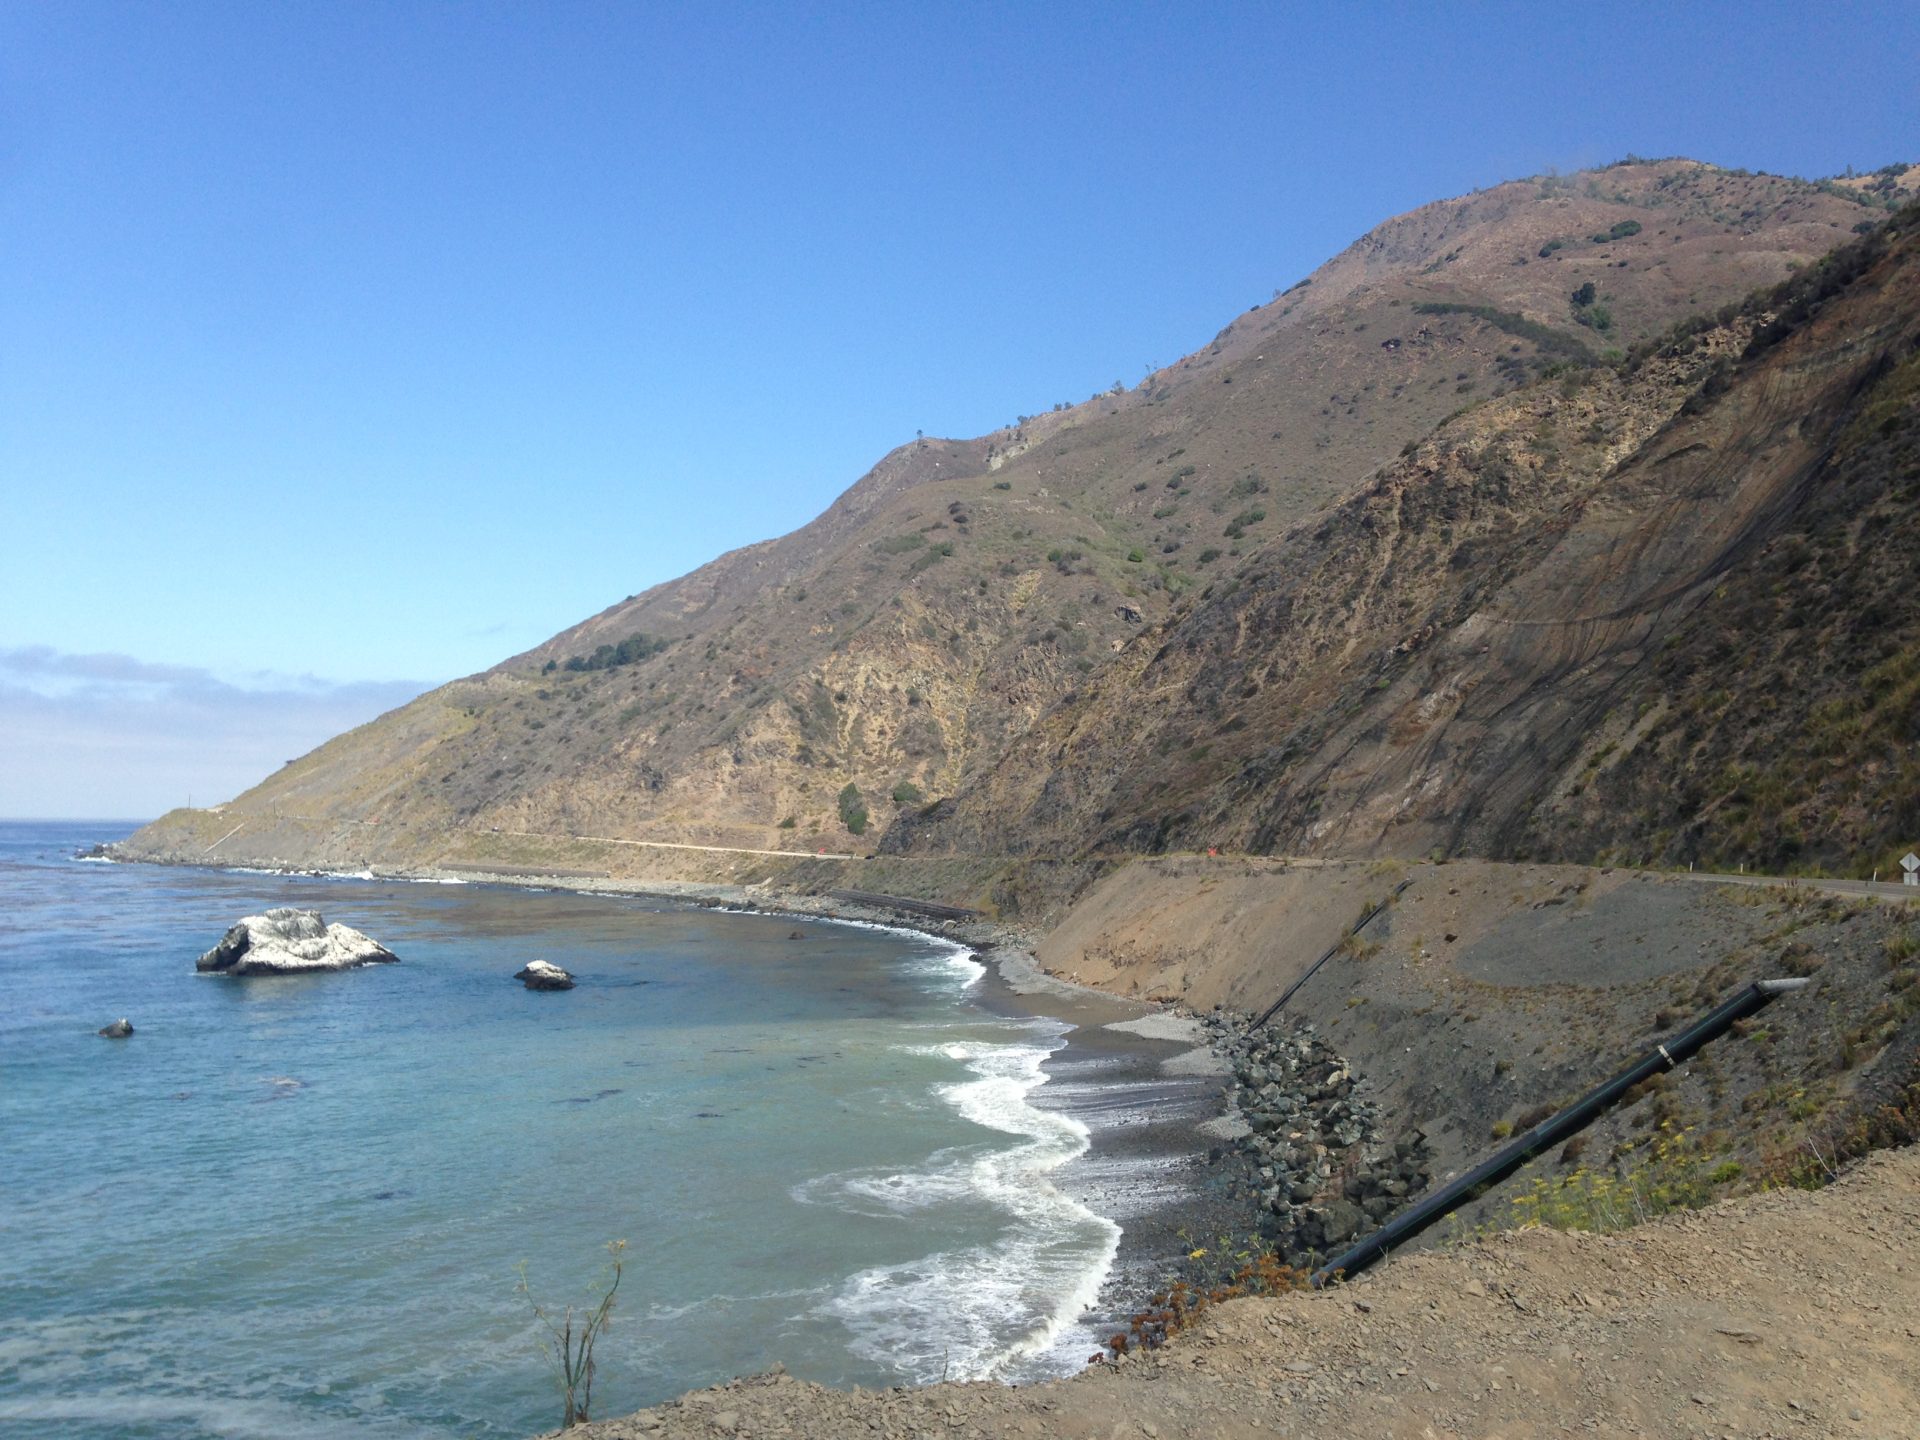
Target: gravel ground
[1784, 1314]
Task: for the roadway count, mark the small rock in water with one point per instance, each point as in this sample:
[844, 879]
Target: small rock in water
[544, 975]
[118, 1030]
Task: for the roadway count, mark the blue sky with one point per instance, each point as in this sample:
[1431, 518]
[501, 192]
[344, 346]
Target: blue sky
[348, 348]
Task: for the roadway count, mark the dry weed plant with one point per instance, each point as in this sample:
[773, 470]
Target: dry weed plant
[1175, 1308]
[570, 1340]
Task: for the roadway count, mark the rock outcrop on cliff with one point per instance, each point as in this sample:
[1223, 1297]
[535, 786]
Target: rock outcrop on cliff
[291, 942]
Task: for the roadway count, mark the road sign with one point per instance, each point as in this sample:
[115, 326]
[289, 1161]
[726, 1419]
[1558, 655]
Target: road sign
[1910, 863]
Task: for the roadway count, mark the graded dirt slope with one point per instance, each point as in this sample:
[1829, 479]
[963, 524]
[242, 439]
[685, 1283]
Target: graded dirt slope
[1485, 991]
[1786, 1314]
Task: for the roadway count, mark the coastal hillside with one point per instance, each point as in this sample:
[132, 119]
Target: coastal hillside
[1662, 612]
[1200, 609]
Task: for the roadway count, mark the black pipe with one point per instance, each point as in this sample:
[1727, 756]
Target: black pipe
[1359, 925]
[1577, 1116]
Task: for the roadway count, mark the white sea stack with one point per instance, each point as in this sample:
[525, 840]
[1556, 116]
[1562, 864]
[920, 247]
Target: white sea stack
[544, 975]
[291, 942]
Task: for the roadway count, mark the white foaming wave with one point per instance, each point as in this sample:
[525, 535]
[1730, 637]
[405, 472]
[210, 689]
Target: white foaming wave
[999, 1309]
[884, 1193]
[112, 1373]
[970, 969]
[950, 953]
[212, 1415]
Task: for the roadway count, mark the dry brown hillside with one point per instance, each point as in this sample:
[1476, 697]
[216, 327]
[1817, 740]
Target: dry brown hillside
[1666, 611]
[809, 691]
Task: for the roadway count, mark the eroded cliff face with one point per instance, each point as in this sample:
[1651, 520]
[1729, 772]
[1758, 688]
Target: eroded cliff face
[1243, 603]
[1664, 613]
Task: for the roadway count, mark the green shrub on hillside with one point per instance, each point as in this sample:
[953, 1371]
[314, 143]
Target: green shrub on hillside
[1618, 232]
[853, 809]
[1544, 336]
[630, 651]
[935, 554]
[1237, 526]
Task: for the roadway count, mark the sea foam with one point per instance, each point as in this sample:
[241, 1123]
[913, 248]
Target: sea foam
[1001, 1309]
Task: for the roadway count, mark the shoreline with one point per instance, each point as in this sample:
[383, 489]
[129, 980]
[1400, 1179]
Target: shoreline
[1141, 1079]
[1487, 989]
[1153, 1112]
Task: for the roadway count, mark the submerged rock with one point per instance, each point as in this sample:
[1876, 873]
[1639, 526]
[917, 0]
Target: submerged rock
[291, 942]
[118, 1030]
[543, 975]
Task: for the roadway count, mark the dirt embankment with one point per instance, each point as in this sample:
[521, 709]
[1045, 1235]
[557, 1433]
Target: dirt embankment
[1786, 1314]
[1481, 992]
[1485, 991]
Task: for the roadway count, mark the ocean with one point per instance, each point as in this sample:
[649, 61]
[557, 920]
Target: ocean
[298, 1206]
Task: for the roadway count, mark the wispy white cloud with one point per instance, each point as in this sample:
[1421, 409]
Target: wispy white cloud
[43, 662]
[114, 735]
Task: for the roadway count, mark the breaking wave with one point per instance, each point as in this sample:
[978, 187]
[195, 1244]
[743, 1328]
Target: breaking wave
[1001, 1308]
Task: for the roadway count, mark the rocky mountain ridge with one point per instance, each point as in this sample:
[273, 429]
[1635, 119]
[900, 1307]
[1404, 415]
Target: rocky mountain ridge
[939, 629]
[1664, 612]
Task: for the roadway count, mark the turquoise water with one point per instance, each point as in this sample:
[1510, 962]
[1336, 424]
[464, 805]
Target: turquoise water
[293, 1205]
